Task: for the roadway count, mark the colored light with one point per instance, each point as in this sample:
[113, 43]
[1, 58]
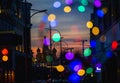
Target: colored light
[69, 55]
[53, 23]
[51, 17]
[103, 38]
[92, 43]
[74, 78]
[95, 30]
[46, 41]
[81, 72]
[114, 45]
[5, 58]
[97, 3]
[69, 2]
[105, 10]
[87, 52]
[100, 13]
[67, 9]
[89, 70]
[56, 37]
[60, 68]
[84, 2]
[75, 65]
[4, 51]
[81, 8]
[89, 24]
[44, 18]
[56, 4]
[109, 54]
[98, 65]
[49, 58]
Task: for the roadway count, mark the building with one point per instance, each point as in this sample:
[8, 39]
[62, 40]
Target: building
[15, 35]
[109, 26]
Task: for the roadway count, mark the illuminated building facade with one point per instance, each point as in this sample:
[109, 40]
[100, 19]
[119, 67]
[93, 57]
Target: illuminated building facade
[109, 27]
[15, 34]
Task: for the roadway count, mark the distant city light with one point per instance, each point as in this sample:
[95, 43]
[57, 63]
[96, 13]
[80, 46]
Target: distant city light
[114, 45]
[69, 55]
[103, 38]
[4, 58]
[60, 68]
[51, 17]
[44, 18]
[69, 2]
[95, 30]
[74, 78]
[46, 41]
[105, 10]
[75, 65]
[84, 2]
[97, 3]
[53, 23]
[109, 54]
[87, 52]
[89, 24]
[49, 58]
[56, 37]
[56, 4]
[81, 8]
[67, 9]
[81, 72]
[100, 13]
[92, 43]
[89, 70]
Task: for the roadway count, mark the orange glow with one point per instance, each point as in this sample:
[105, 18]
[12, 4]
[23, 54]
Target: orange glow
[67, 9]
[5, 58]
[95, 30]
[60, 68]
[81, 72]
[89, 24]
[5, 51]
[51, 17]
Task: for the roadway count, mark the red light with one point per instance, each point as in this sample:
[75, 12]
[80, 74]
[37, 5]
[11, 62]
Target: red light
[114, 45]
[4, 51]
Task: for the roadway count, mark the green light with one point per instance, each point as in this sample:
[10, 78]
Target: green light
[84, 2]
[49, 58]
[56, 37]
[87, 52]
[89, 70]
[81, 8]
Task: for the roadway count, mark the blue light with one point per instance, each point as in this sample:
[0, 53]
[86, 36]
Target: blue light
[74, 78]
[75, 65]
[53, 23]
[109, 54]
[57, 4]
[100, 13]
[93, 43]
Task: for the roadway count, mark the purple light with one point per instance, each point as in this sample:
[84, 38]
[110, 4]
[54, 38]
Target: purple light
[46, 41]
[69, 55]
[77, 67]
[97, 3]
[69, 2]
